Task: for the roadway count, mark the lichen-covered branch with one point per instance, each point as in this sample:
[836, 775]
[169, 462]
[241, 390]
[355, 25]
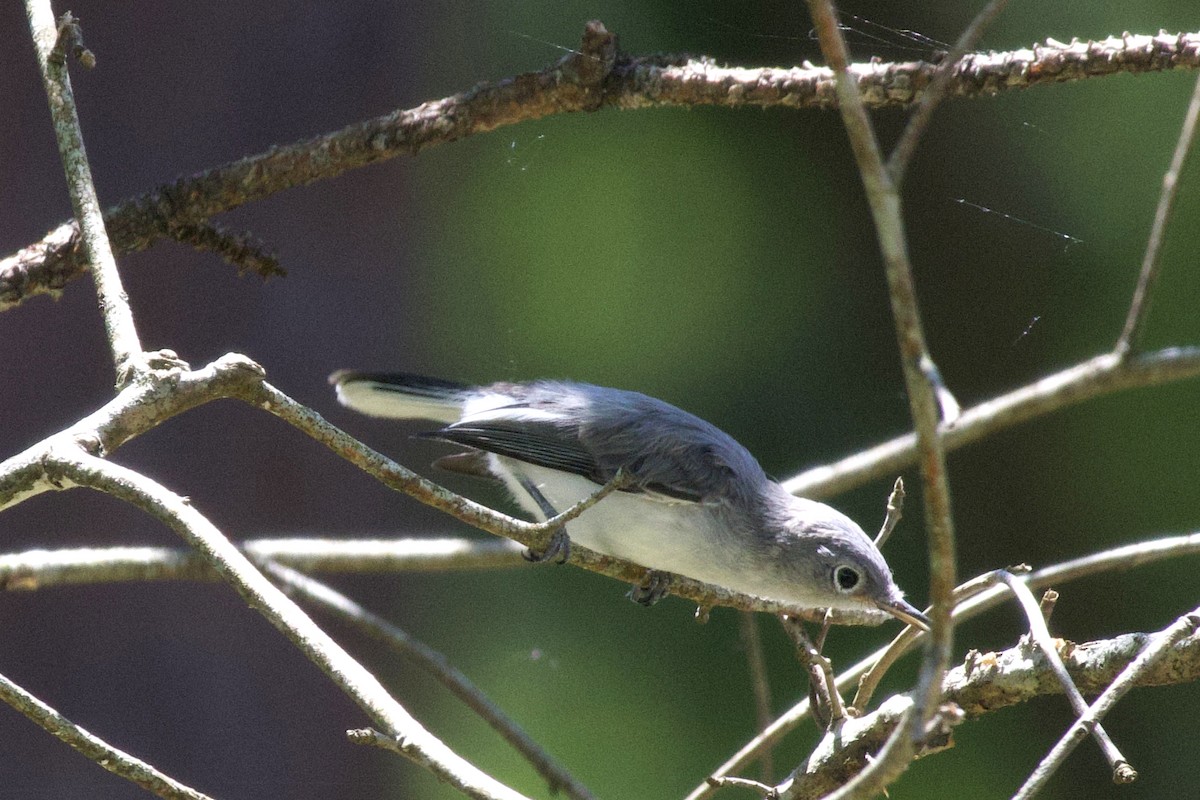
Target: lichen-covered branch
[596, 77]
[48, 36]
[987, 682]
[93, 747]
[1122, 558]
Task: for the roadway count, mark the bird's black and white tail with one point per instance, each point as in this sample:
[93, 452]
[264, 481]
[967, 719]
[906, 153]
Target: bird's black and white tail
[399, 395]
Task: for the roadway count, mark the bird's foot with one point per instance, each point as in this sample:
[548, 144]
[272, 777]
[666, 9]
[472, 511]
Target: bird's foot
[559, 548]
[655, 586]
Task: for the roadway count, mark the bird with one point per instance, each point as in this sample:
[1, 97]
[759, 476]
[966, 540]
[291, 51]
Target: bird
[690, 500]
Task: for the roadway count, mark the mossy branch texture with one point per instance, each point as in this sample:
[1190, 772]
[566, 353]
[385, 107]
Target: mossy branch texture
[597, 76]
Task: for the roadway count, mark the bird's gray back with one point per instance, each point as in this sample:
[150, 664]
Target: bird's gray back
[661, 447]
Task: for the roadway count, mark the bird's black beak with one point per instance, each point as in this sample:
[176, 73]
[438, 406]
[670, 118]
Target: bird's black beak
[904, 611]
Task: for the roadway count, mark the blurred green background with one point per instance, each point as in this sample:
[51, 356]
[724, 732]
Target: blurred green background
[722, 260]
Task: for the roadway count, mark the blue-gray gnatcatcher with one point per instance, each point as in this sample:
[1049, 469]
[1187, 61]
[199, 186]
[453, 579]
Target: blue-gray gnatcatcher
[693, 501]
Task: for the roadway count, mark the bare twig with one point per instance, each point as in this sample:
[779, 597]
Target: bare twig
[418, 744]
[936, 90]
[40, 569]
[1096, 377]
[895, 509]
[436, 664]
[633, 83]
[1140, 305]
[919, 374]
[759, 680]
[1041, 636]
[765, 791]
[114, 305]
[881, 770]
[1046, 605]
[1117, 559]
[1151, 656]
[135, 410]
[819, 669]
[910, 635]
[987, 683]
[94, 748]
[242, 250]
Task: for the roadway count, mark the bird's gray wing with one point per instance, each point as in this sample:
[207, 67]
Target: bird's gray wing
[558, 445]
[538, 443]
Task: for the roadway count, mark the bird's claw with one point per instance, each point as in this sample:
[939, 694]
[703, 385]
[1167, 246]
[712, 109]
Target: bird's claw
[655, 586]
[559, 548]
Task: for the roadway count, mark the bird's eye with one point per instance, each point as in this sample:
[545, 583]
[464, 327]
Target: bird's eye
[845, 578]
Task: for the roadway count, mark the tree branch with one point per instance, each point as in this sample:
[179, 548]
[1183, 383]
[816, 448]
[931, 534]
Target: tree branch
[1140, 305]
[97, 253]
[1096, 377]
[41, 569]
[1117, 559]
[436, 664]
[1040, 635]
[634, 82]
[1158, 653]
[932, 96]
[991, 681]
[415, 741]
[94, 748]
[924, 387]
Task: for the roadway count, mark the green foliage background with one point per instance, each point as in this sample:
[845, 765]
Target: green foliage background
[722, 260]
[725, 261]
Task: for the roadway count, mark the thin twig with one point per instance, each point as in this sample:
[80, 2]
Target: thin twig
[40, 569]
[325, 597]
[986, 683]
[887, 765]
[1096, 377]
[98, 254]
[1117, 559]
[919, 369]
[242, 250]
[1157, 649]
[174, 389]
[759, 681]
[417, 743]
[821, 681]
[904, 640]
[136, 409]
[1046, 605]
[1140, 305]
[895, 509]
[936, 91]
[764, 790]
[94, 566]
[1041, 636]
[634, 83]
[94, 748]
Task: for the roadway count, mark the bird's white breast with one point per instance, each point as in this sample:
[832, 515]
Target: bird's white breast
[673, 536]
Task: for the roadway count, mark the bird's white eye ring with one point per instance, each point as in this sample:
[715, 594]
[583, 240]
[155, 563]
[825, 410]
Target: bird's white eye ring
[845, 578]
